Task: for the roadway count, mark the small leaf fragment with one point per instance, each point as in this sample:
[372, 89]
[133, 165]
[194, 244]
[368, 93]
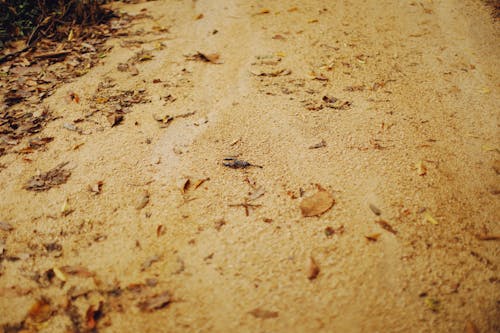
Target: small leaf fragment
[421, 168]
[373, 237]
[143, 202]
[432, 303]
[155, 302]
[430, 219]
[317, 204]
[386, 226]
[263, 314]
[40, 311]
[313, 269]
[6, 226]
[59, 274]
[375, 209]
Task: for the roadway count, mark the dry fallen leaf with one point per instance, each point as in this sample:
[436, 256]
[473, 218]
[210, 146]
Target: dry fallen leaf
[93, 315]
[205, 57]
[49, 179]
[430, 219]
[59, 274]
[373, 237]
[386, 226]
[313, 269]
[375, 209]
[317, 204]
[40, 311]
[183, 184]
[263, 314]
[483, 237]
[115, 119]
[432, 303]
[78, 271]
[470, 327]
[144, 200]
[155, 302]
[421, 168]
[96, 187]
[6, 226]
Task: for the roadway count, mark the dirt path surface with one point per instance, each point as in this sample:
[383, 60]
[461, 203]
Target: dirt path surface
[390, 107]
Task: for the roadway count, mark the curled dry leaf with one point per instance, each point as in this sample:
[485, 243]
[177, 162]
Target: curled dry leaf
[155, 302]
[375, 210]
[313, 269]
[385, 225]
[373, 237]
[263, 314]
[183, 184]
[317, 204]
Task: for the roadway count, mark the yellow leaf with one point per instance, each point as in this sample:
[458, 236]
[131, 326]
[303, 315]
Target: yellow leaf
[488, 148]
[430, 219]
[70, 35]
[280, 54]
[432, 304]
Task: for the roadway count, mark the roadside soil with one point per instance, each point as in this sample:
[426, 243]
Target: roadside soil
[391, 107]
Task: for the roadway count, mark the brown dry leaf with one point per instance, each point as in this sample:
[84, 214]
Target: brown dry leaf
[496, 167]
[96, 188]
[115, 119]
[155, 302]
[144, 200]
[470, 327]
[40, 311]
[199, 16]
[78, 271]
[160, 230]
[205, 57]
[6, 226]
[385, 225]
[93, 315]
[421, 168]
[199, 182]
[183, 184]
[263, 314]
[74, 97]
[263, 11]
[278, 72]
[373, 237]
[313, 270]
[317, 204]
[482, 237]
[49, 179]
[318, 145]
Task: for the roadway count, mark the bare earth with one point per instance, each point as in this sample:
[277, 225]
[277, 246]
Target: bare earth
[414, 133]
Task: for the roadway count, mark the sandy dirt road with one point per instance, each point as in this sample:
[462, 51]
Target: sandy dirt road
[404, 96]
